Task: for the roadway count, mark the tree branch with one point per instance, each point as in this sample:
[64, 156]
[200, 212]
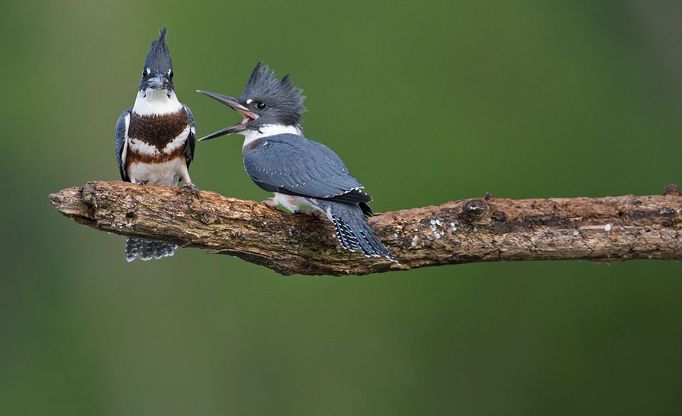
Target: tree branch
[473, 230]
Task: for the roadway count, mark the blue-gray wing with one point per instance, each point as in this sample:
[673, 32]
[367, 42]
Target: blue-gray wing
[120, 144]
[191, 138]
[294, 165]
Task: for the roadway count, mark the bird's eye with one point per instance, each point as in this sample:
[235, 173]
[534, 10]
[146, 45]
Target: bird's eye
[146, 72]
[170, 74]
[261, 105]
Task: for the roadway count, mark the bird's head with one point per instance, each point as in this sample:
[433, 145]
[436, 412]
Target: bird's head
[265, 101]
[157, 74]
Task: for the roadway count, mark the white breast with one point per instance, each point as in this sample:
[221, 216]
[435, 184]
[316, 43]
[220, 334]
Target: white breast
[166, 173]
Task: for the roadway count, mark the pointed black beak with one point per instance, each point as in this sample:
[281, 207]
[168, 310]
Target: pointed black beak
[232, 102]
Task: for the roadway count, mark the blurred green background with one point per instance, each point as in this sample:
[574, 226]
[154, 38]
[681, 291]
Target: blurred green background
[426, 102]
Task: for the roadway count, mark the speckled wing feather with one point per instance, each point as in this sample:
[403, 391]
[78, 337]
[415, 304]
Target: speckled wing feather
[120, 144]
[294, 165]
[191, 138]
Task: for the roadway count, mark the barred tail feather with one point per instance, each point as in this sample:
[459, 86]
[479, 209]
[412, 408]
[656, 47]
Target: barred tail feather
[144, 249]
[352, 228]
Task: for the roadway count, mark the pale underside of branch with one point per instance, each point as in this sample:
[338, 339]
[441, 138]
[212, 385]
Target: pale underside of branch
[473, 230]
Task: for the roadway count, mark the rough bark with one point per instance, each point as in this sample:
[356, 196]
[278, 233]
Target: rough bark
[473, 230]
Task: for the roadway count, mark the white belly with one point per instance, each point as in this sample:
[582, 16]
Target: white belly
[290, 202]
[166, 173]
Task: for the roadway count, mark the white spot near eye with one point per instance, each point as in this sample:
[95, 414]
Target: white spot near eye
[249, 101]
[148, 71]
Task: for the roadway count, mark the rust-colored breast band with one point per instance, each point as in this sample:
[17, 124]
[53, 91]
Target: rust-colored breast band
[157, 130]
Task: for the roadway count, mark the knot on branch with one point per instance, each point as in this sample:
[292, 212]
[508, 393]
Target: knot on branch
[672, 190]
[475, 208]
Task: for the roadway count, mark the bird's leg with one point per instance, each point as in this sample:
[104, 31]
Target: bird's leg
[312, 213]
[190, 186]
[186, 181]
[270, 202]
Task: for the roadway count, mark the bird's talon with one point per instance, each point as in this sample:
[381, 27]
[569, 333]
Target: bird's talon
[270, 202]
[190, 187]
[312, 214]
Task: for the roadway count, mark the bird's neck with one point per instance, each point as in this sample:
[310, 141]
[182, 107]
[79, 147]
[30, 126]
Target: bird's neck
[156, 102]
[269, 130]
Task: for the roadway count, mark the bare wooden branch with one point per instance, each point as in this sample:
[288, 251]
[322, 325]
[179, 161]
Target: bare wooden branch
[473, 230]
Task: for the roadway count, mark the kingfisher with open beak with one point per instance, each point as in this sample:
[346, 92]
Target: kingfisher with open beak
[300, 172]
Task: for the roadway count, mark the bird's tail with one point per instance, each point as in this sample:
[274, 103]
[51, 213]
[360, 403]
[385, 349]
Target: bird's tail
[352, 228]
[144, 249]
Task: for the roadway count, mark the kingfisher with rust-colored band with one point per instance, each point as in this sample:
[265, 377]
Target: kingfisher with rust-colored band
[155, 140]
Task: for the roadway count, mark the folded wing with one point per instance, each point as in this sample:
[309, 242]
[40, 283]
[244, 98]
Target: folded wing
[294, 165]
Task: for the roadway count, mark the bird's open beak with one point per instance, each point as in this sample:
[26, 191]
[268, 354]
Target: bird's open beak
[249, 116]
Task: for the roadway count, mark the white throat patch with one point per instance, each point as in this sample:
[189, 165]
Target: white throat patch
[269, 130]
[156, 102]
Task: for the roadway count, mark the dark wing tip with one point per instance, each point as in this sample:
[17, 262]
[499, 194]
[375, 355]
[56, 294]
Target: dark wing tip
[366, 209]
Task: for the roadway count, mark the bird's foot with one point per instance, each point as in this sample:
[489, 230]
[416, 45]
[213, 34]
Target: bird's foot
[142, 182]
[190, 186]
[311, 213]
[270, 202]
